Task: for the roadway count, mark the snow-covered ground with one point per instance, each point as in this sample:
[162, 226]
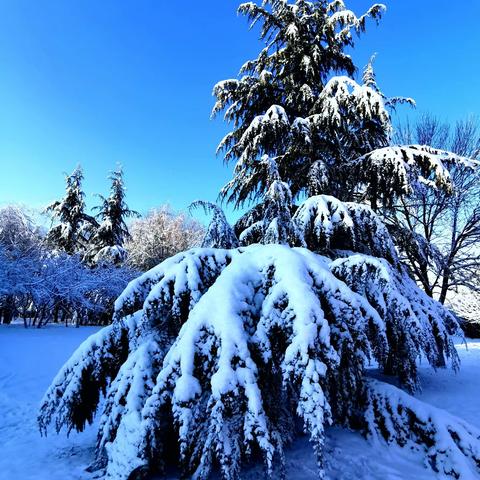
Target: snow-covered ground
[30, 358]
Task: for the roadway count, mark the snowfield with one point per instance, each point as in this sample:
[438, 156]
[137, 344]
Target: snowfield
[29, 359]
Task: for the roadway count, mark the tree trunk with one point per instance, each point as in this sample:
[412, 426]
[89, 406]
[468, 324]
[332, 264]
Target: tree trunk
[445, 284]
[9, 310]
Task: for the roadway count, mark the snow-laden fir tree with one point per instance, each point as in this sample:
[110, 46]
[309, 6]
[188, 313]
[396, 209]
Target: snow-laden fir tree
[271, 220]
[219, 233]
[70, 219]
[222, 355]
[217, 356]
[111, 232]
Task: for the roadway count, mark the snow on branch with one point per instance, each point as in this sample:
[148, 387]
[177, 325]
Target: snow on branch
[271, 221]
[227, 348]
[273, 319]
[170, 289]
[343, 94]
[415, 323]
[344, 20]
[369, 80]
[327, 223]
[75, 392]
[399, 170]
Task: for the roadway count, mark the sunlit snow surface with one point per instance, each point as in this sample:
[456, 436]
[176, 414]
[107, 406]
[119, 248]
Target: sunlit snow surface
[29, 359]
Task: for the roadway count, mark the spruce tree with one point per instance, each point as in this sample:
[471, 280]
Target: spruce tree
[297, 102]
[69, 216]
[107, 240]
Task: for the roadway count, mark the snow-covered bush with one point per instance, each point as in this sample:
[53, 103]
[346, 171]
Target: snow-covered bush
[39, 284]
[465, 303]
[20, 248]
[17, 230]
[230, 347]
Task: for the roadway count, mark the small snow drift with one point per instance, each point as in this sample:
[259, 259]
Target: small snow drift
[451, 445]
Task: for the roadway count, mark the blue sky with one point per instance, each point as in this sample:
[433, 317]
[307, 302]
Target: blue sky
[130, 81]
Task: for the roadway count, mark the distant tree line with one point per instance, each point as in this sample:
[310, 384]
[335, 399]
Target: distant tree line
[73, 272]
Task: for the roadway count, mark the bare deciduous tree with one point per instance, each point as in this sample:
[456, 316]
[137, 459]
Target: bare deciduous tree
[437, 231]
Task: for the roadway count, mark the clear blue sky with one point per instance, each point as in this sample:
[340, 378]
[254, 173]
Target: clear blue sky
[130, 81]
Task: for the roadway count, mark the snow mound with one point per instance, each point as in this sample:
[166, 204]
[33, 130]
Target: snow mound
[451, 445]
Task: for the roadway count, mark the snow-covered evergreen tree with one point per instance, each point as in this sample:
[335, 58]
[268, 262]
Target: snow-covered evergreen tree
[69, 216]
[106, 243]
[287, 105]
[274, 224]
[223, 349]
[328, 133]
[223, 354]
[219, 233]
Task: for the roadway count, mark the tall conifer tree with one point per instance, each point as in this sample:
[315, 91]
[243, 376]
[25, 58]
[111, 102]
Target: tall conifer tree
[69, 215]
[287, 103]
[112, 231]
